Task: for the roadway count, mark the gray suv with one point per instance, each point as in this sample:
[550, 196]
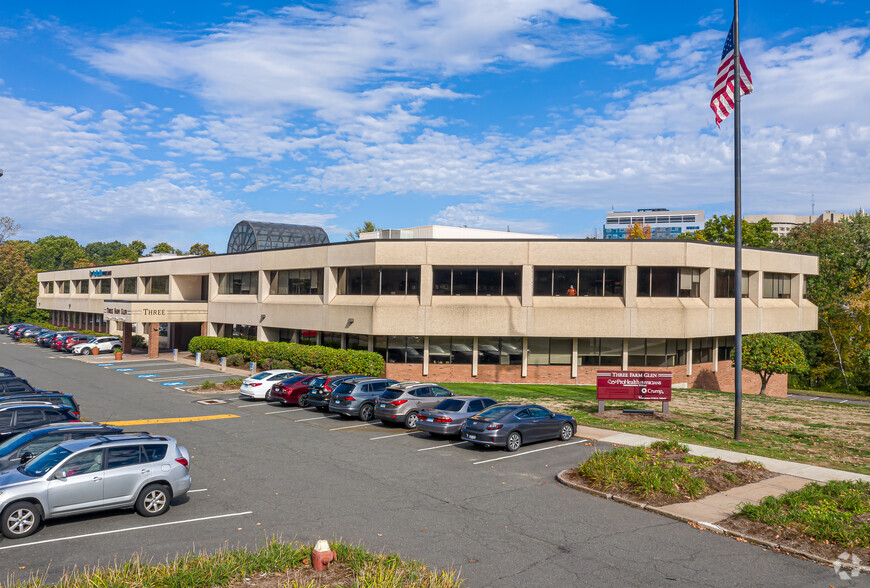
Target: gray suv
[402, 403]
[357, 396]
[134, 470]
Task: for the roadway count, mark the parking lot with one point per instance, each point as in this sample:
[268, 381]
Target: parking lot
[261, 469]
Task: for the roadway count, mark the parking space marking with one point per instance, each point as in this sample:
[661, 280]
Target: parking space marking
[195, 419]
[440, 446]
[125, 369]
[530, 451]
[393, 435]
[167, 370]
[316, 418]
[145, 375]
[189, 376]
[172, 383]
[287, 410]
[350, 427]
[197, 490]
[139, 528]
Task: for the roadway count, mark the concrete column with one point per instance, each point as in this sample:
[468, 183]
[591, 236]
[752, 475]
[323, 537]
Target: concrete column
[127, 337]
[625, 354]
[262, 285]
[330, 284]
[796, 289]
[203, 329]
[528, 278]
[715, 354]
[688, 357]
[474, 353]
[708, 286]
[755, 287]
[212, 286]
[525, 369]
[261, 333]
[574, 357]
[426, 355]
[319, 340]
[425, 285]
[153, 340]
[629, 293]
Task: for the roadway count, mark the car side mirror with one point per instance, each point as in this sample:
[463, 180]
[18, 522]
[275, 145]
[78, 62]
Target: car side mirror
[25, 457]
[61, 475]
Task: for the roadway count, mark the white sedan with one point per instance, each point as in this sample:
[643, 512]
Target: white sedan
[104, 344]
[260, 385]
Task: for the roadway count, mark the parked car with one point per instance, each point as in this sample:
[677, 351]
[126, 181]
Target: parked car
[59, 335]
[73, 340]
[21, 416]
[12, 326]
[59, 341]
[32, 332]
[15, 385]
[21, 448]
[67, 400]
[259, 385]
[356, 397]
[138, 471]
[96, 345]
[402, 403]
[320, 389]
[449, 415]
[43, 336]
[19, 330]
[6, 372]
[3, 328]
[511, 425]
[291, 390]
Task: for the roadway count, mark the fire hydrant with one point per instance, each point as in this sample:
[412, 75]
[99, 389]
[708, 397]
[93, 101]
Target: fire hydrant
[321, 555]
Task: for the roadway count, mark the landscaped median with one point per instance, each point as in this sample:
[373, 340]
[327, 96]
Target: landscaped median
[275, 564]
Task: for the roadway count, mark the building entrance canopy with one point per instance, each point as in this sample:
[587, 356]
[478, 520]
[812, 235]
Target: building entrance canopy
[156, 311]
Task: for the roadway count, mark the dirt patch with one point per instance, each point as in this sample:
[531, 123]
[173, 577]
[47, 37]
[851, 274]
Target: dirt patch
[791, 538]
[337, 574]
[717, 475]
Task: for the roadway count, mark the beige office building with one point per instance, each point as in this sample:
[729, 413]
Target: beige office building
[509, 309]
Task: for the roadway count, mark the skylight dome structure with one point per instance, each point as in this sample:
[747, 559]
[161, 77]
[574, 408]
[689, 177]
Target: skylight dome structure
[258, 236]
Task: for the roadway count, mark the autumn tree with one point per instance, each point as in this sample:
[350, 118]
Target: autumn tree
[720, 229]
[18, 286]
[638, 231]
[767, 354]
[367, 227]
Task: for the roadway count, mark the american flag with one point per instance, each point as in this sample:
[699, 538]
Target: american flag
[723, 92]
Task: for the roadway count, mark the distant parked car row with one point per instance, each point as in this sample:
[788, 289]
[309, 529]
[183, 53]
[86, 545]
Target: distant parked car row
[69, 341]
[416, 405]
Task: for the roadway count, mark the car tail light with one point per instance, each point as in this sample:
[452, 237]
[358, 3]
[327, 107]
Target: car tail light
[494, 426]
[398, 402]
[74, 421]
[183, 461]
[349, 398]
[254, 385]
[443, 420]
[326, 389]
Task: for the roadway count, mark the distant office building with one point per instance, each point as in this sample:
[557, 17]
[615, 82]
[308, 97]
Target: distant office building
[665, 224]
[784, 223]
[441, 232]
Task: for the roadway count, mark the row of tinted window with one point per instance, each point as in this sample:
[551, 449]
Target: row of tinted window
[302, 281]
[579, 281]
[672, 282]
[376, 281]
[238, 283]
[477, 281]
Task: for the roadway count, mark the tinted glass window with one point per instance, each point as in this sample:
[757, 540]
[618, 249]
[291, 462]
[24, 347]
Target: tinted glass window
[367, 388]
[424, 391]
[475, 405]
[6, 418]
[438, 391]
[29, 417]
[56, 416]
[119, 457]
[380, 386]
[154, 451]
[43, 443]
[538, 412]
[524, 414]
[391, 394]
[84, 463]
[343, 389]
[488, 402]
[497, 412]
[451, 405]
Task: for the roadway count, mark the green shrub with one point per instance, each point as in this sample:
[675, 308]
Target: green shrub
[233, 382]
[310, 358]
[206, 385]
[138, 341]
[236, 360]
[210, 355]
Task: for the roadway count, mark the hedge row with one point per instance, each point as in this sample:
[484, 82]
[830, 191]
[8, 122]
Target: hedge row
[308, 358]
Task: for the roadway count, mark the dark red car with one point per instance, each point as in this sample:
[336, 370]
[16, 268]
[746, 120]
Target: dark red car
[72, 340]
[288, 391]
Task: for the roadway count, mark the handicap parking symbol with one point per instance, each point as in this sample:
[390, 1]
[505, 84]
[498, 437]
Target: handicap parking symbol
[172, 383]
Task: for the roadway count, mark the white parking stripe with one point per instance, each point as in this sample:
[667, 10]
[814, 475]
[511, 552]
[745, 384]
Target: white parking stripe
[288, 410]
[190, 376]
[393, 435]
[350, 427]
[139, 528]
[199, 490]
[843, 401]
[814, 398]
[315, 419]
[440, 446]
[531, 451]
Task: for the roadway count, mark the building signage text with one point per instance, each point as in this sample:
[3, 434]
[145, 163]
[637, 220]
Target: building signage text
[655, 386]
[99, 273]
[152, 312]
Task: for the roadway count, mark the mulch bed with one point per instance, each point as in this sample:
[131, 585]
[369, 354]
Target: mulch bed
[713, 473]
[792, 538]
[337, 574]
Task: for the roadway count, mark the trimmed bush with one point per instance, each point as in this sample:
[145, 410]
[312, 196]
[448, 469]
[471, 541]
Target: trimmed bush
[236, 360]
[210, 355]
[310, 358]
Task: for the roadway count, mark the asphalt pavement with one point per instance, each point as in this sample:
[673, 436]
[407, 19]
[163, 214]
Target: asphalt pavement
[262, 469]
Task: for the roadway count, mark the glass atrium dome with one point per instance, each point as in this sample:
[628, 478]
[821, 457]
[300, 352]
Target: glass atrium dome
[257, 236]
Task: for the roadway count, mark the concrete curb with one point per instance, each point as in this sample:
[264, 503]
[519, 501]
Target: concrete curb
[562, 478]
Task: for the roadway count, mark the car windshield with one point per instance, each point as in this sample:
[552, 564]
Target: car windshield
[317, 383]
[294, 379]
[46, 461]
[14, 442]
[260, 376]
[391, 394]
[91, 340]
[451, 405]
[496, 412]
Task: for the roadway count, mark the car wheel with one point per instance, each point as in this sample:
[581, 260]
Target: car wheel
[153, 500]
[20, 519]
[366, 412]
[268, 396]
[514, 441]
[567, 432]
[411, 420]
[303, 401]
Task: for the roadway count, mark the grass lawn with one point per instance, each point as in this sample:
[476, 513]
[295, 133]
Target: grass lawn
[275, 564]
[817, 433]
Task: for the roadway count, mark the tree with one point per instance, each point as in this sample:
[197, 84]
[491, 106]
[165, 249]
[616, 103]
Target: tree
[720, 229]
[200, 249]
[767, 354]
[8, 228]
[639, 232]
[138, 247]
[368, 227]
[18, 286]
[99, 253]
[55, 253]
[165, 247]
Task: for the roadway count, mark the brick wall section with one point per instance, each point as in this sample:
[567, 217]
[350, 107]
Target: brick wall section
[702, 376]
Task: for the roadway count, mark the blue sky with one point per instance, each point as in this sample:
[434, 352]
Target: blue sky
[172, 121]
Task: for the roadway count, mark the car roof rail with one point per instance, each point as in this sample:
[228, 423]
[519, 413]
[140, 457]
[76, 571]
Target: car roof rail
[127, 436]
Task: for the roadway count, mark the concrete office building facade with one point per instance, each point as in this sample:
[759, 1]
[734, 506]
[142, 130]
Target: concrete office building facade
[462, 310]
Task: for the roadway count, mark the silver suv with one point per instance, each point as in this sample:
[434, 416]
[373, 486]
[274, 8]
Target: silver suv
[402, 403]
[132, 470]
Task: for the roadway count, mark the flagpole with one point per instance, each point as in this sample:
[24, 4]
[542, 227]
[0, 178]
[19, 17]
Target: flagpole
[738, 242]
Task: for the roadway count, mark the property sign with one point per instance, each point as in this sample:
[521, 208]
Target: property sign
[655, 386]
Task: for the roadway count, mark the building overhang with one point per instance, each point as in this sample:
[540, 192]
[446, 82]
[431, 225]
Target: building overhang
[155, 311]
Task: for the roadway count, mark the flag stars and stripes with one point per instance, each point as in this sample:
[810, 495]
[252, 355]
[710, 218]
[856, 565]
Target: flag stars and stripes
[723, 91]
